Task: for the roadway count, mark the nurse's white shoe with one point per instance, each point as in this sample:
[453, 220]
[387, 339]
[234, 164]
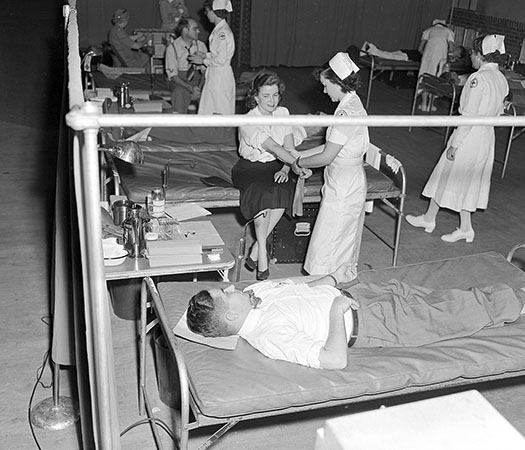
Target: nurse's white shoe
[420, 222]
[458, 235]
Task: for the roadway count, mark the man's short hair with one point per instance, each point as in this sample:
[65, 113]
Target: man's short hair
[183, 23]
[205, 316]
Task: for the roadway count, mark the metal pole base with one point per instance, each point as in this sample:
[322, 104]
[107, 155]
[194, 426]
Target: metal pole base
[48, 416]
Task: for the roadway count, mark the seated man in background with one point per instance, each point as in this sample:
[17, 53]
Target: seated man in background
[128, 48]
[313, 324]
[185, 79]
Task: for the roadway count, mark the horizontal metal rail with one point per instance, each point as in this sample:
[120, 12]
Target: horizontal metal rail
[84, 118]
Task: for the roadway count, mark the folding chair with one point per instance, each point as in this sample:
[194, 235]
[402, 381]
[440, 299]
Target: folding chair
[437, 87]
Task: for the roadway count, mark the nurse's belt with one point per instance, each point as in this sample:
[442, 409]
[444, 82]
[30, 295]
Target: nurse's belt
[342, 65]
[493, 42]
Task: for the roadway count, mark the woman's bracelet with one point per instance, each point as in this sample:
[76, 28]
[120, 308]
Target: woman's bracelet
[297, 163]
[333, 278]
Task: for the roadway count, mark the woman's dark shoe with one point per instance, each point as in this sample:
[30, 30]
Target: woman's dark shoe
[264, 275]
[250, 264]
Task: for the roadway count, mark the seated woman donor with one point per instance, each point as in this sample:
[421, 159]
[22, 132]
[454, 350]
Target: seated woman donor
[262, 174]
[314, 324]
[336, 237]
[218, 93]
[184, 79]
[128, 47]
[461, 179]
[171, 12]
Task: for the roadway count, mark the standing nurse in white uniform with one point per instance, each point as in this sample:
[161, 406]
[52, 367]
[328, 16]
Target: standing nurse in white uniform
[336, 238]
[461, 179]
[218, 93]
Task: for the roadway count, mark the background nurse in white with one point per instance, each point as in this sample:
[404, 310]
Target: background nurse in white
[218, 92]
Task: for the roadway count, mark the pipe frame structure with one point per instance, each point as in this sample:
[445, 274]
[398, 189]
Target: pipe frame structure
[86, 119]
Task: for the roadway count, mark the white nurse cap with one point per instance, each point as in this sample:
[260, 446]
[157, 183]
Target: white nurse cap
[342, 65]
[222, 4]
[439, 21]
[493, 42]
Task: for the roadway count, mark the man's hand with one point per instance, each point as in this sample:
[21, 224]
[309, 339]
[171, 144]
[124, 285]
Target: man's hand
[197, 58]
[195, 93]
[344, 303]
[451, 153]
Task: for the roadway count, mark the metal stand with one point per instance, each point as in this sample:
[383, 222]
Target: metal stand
[55, 413]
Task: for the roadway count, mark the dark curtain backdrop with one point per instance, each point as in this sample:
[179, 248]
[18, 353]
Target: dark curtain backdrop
[301, 33]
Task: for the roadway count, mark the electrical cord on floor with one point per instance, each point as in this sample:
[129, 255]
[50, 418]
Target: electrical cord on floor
[40, 372]
[159, 422]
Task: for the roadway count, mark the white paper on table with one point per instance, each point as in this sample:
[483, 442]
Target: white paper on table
[185, 211]
[224, 343]
[202, 231]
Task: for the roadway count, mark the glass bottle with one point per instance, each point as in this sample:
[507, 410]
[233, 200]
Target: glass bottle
[158, 202]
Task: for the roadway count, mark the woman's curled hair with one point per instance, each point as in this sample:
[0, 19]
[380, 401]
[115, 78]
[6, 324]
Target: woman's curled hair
[260, 80]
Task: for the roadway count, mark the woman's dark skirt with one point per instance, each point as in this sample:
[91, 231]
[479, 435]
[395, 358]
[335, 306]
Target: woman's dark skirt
[259, 191]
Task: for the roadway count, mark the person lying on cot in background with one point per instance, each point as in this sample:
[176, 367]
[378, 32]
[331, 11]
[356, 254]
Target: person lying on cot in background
[371, 49]
[128, 47]
[314, 324]
[185, 79]
[336, 238]
[457, 56]
[262, 174]
[460, 180]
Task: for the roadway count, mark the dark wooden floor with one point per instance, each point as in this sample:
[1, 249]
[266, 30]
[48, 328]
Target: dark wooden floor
[27, 184]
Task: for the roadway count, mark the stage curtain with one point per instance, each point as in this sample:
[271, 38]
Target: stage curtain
[302, 33]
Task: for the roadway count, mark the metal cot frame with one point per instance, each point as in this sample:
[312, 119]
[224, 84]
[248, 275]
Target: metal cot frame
[85, 120]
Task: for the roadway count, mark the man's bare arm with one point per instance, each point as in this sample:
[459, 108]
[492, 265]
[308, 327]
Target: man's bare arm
[333, 355]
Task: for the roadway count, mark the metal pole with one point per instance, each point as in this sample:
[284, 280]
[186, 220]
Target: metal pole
[96, 305]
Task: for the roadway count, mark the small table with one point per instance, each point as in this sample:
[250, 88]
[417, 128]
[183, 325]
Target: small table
[140, 268]
[124, 281]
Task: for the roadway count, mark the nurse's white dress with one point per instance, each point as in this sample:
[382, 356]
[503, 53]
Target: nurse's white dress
[218, 92]
[436, 48]
[336, 238]
[464, 183]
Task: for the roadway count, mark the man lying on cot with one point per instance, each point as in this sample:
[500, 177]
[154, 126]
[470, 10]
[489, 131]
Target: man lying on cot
[314, 323]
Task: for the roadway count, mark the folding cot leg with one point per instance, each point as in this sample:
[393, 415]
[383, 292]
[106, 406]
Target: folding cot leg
[397, 235]
[369, 87]
[219, 433]
[507, 152]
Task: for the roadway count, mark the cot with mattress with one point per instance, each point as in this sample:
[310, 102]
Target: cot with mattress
[376, 66]
[192, 162]
[225, 387]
